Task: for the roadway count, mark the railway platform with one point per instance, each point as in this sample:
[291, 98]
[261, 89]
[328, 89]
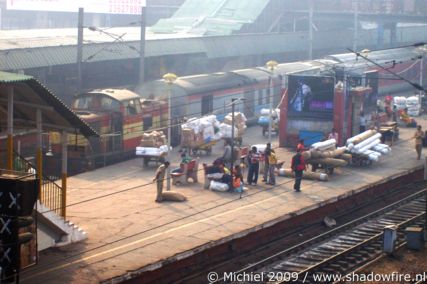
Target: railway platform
[133, 239]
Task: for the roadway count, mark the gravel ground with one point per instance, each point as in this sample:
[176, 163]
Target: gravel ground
[405, 262]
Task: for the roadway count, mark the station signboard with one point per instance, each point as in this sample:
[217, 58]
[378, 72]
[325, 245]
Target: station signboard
[90, 6]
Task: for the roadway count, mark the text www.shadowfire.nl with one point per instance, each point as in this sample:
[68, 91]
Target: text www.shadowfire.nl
[321, 277]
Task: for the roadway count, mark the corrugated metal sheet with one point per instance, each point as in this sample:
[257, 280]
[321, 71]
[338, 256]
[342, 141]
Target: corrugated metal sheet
[31, 92]
[214, 17]
[6, 77]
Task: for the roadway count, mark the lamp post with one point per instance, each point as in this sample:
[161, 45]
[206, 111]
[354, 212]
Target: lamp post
[271, 65]
[421, 51]
[169, 79]
[233, 100]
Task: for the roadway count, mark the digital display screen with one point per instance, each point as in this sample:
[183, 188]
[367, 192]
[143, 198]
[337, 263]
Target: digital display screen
[310, 96]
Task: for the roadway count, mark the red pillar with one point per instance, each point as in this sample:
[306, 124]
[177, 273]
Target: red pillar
[339, 115]
[283, 124]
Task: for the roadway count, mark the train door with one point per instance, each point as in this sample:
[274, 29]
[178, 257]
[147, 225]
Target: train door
[249, 103]
[117, 132]
[207, 104]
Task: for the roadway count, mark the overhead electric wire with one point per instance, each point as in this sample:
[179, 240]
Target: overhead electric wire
[415, 85]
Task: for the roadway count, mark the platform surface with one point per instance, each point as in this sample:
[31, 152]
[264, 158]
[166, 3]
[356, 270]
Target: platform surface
[128, 231]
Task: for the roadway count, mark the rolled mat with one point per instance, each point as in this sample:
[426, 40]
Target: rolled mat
[306, 175]
[346, 157]
[329, 161]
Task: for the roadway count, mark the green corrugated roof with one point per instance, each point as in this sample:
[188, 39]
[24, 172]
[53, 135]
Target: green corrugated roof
[6, 77]
[213, 17]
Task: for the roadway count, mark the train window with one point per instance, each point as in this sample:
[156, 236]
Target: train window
[147, 122]
[82, 103]
[109, 104]
[130, 107]
[259, 94]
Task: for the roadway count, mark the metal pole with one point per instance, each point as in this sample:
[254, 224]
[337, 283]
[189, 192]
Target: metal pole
[39, 159]
[310, 31]
[271, 106]
[232, 133]
[64, 142]
[421, 77]
[10, 95]
[80, 50]
[425, 222]
[168, 182]
[142, 47]
[356, 26]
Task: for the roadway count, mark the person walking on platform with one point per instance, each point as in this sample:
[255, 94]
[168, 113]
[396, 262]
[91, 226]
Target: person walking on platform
[266, 166]
[237, 179]
[418, 136]
[300, 145]
[253, 161]
[160, 176]
[272, 161]
[298, 166]
[228, 154]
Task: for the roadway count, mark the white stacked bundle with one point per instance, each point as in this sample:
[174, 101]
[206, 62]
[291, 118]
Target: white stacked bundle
[239, 123]
[382, 148]
[370, 146]
[151, 151]
[203, 128]
[260, 147]
[265, 116]
[225, 130]
[413, 105]
[399, 102]
[324, 145]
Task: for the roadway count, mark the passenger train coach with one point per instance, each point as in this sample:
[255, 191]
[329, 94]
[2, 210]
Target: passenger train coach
[199, 95]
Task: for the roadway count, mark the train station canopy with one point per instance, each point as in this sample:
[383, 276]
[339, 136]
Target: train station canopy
[29, 95]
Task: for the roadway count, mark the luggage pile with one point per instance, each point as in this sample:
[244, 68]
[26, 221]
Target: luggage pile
[153, 139]
[152, 147]
[239, 124]
[264, 118]
[399, 102]
[413, 105]
[199, 131]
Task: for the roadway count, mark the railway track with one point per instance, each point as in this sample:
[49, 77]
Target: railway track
[339, 251]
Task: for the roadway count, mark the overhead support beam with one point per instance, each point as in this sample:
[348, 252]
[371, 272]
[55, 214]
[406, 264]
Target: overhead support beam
[10, 94]
[50, 126]
[36, 106]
